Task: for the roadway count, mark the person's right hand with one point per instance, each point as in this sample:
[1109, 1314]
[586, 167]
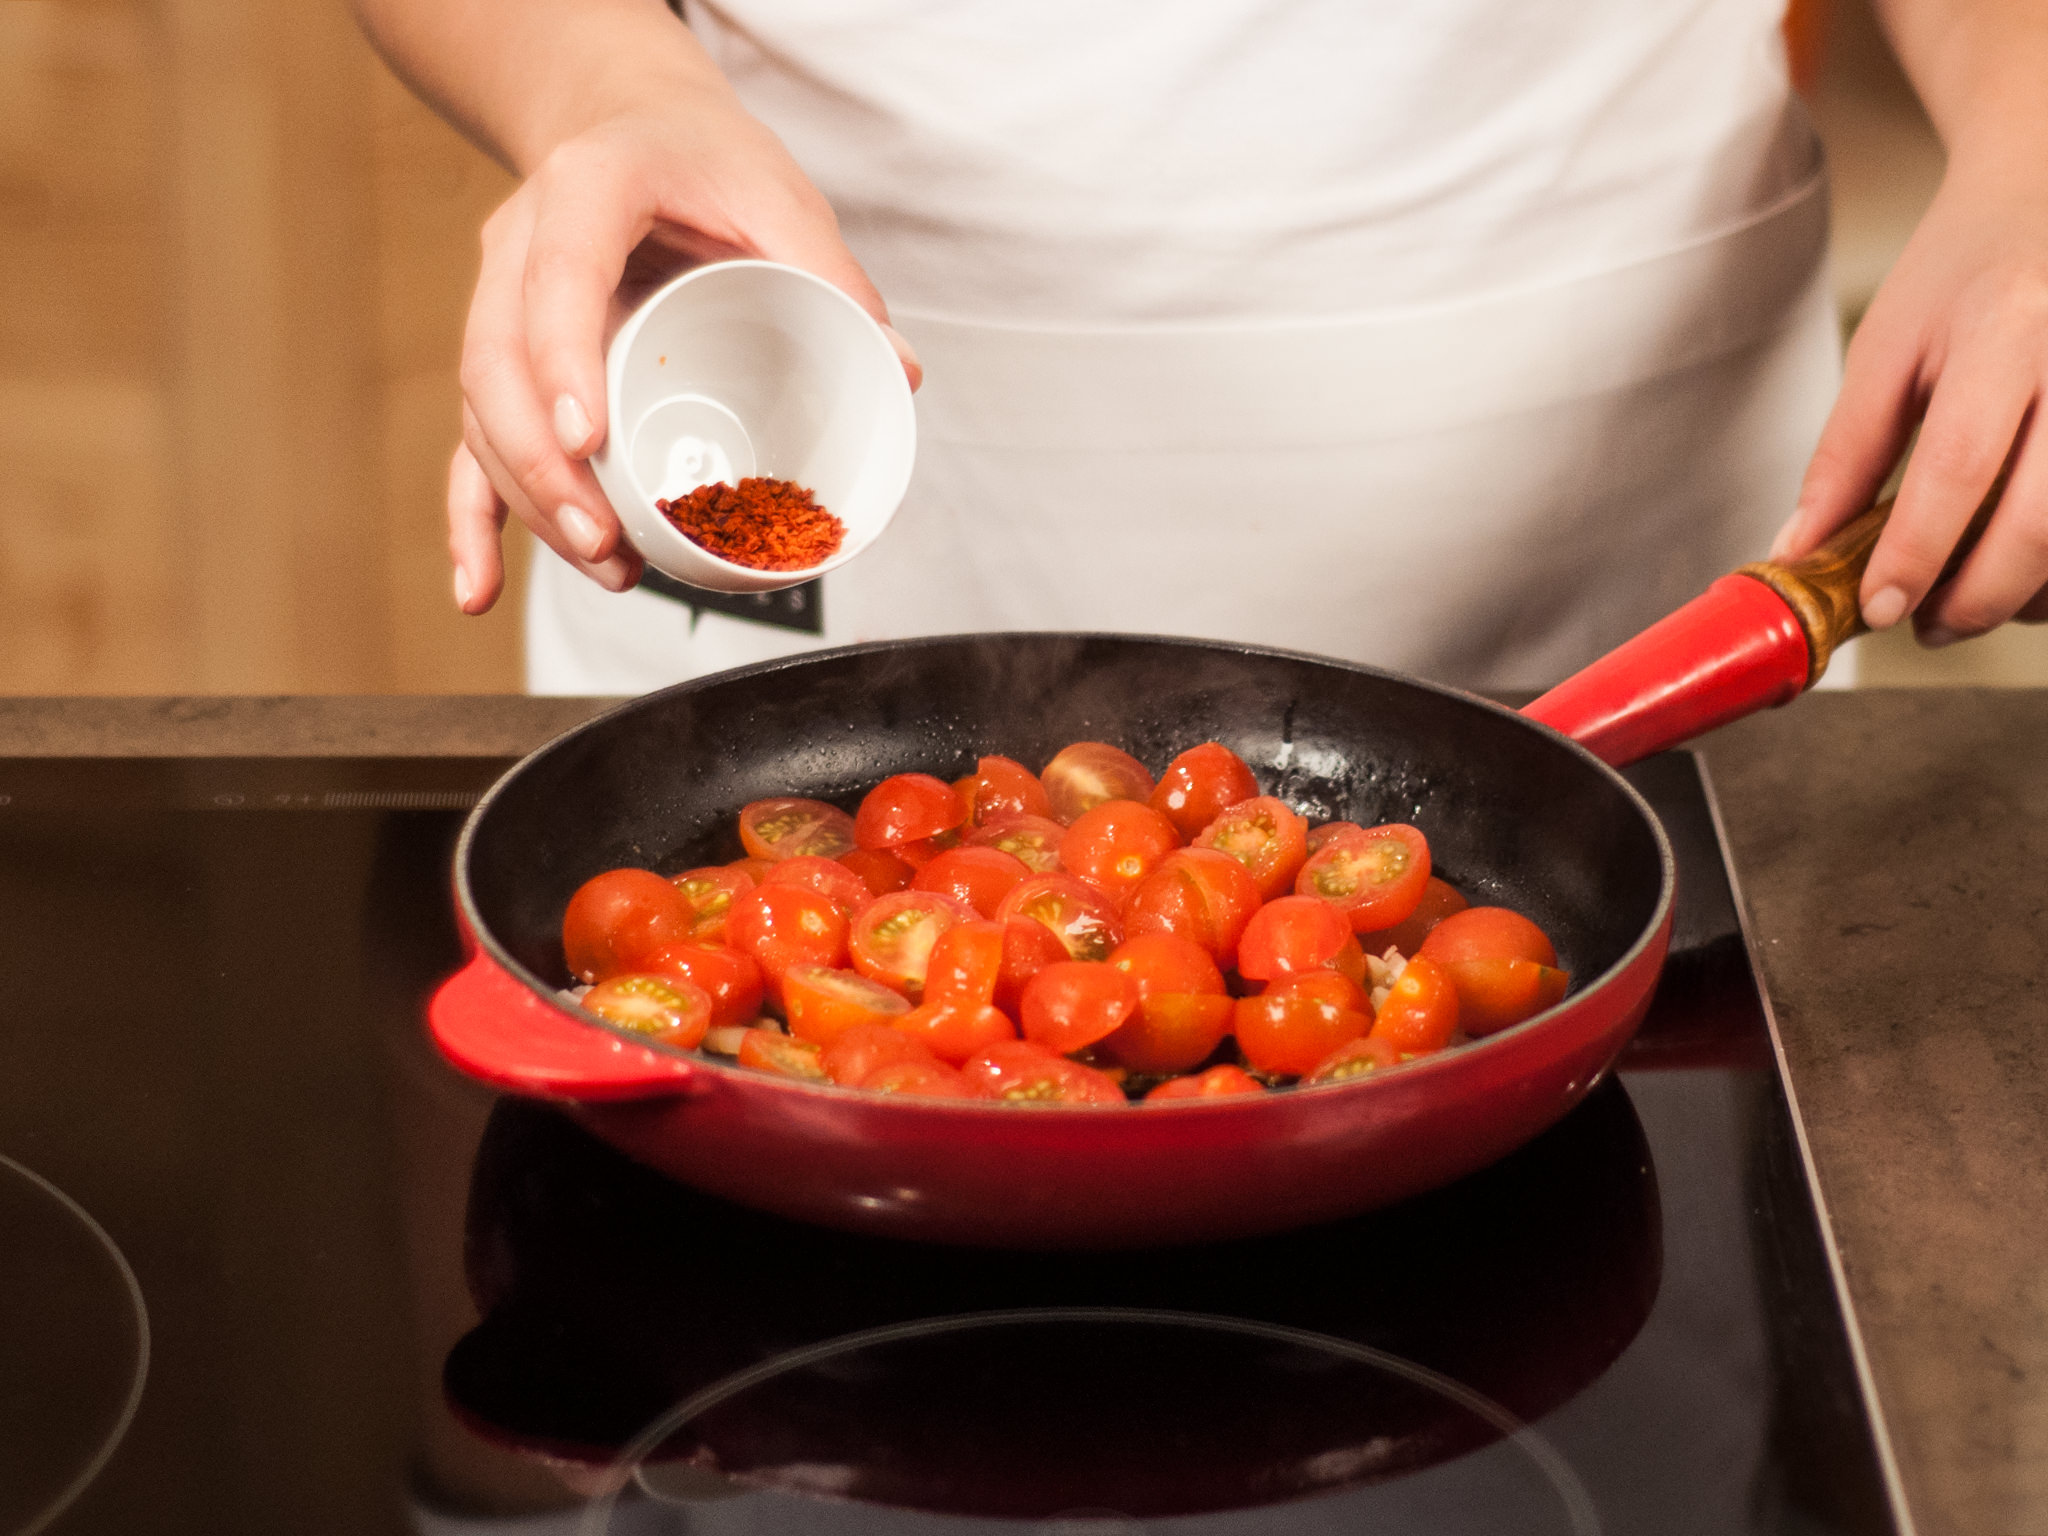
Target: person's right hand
[645, 190]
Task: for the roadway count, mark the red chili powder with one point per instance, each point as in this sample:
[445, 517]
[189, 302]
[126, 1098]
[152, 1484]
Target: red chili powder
[767, 525]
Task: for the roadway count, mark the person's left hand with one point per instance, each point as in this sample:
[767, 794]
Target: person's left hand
[1956, 343]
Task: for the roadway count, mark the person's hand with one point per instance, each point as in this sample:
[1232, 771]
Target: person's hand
[1956, 343]
[637, 193]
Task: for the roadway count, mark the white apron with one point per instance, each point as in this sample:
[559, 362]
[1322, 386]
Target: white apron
[1488, 490]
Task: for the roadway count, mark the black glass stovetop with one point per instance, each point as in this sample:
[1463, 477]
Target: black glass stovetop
[266, 1264]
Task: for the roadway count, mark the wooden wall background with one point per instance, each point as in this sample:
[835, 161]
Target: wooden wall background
[234, 261]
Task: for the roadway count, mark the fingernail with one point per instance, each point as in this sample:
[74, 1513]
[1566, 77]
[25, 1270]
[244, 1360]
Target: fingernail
[572, 425]
[463, 589]
[1783, 542]
[581, 530]
[1885, 609]
[1935, 636]
[907, 352]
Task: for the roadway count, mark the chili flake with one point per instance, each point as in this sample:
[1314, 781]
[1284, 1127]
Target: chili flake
[761, 523]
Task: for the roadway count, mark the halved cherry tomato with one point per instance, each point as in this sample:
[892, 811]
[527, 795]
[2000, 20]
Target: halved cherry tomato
[965, 965]
[979, 877]
[750, 868]
[1082, 776]
[955, 1031]
[1355, 1058]
[1201, 784]
[1289, 934]
[1033, 839]
[1198, 894]
[1171, 1031]
[892, 938]
[906, 808]
[1078, 915]
[619, 916]
[920, 1080]
[1420, 1013]
[824, 1004]
[1296, 1022]
[731, 978]
[709, 890]
[665, 1008]
[1028, 948]
[925, 849]
[1323, 831]
[786, 925]
[828, 877]
[1439, 901]
[1216, 1083]
[1115, 845]
[767, 1050]
[1375, 878]
[1263, 835]
[865, 1047]
[1488, 933]
[1165, 962]
[882, 870]
[785, 828]
[1075, 1003]
[1022, 1073]
[1004, 787]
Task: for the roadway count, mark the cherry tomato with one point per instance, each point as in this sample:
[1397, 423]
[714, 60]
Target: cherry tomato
[1355, 1058]
[1323, 831]
[925, 849]
[1171, 1031]
[882, 871]
[1199, 895]
[907, 808]
[1488, 933]
[731, 978]
[1165, 962]
[965, 966]
[1439, 901]
[1075, 1003]
[709, 892]
[864, 1047]
[750, 869]
[617, 917]
[1201, 784]
[1087, 773]
[892, 938]
[824, 1004]
[1216, 1083]
[977, 877]
[783, 829]
[920, 1080]
[1023, 1073]
[1028, 948]
[1115, 845]
[1291, 1026]
[664, 1008]
[1263, 835]
[1078, 915]
[1375, 878]
[1420, 1013]
[769, 1051]
[955, 1031]
[1292, 933]
[828, 877]
[1033, 839]
[1002, 786]
[786, 925]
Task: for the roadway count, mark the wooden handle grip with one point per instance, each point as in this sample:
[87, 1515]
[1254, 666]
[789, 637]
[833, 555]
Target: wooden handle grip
[1821, 588]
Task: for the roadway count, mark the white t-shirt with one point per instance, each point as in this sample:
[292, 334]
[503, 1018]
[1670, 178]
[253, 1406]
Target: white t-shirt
[1171, 160]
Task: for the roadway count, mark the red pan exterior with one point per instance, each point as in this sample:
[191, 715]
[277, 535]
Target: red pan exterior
[1061, 1176]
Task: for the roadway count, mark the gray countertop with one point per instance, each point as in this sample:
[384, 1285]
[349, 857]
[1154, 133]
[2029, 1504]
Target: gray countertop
[1893, 850]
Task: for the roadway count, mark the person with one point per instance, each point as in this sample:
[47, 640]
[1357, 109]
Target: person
[1450, 335]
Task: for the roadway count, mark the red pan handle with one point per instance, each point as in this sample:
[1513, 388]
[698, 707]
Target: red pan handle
[1756, 638]
[496, 1028]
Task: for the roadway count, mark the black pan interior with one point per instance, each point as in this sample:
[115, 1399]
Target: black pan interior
[1514, 816]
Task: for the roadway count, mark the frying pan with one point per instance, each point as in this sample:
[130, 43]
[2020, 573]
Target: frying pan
[1521, 810]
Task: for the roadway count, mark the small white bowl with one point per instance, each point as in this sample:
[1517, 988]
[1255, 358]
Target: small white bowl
[753, 368]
